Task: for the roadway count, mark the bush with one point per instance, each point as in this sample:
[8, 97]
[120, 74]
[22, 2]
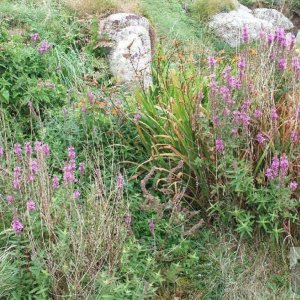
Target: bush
[234, 128]
[203, 9]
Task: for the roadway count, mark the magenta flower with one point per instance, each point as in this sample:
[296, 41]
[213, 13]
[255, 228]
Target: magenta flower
[91, 97]
[242, 63]
[257, 114]
[27, 148]
[81, 168]
[1, 151]
[245, 34]
[275, 165]
[274, 114]
[260, 138]
[33, 167]
[35, 37]
[284, 164]
[38, 146]
[120, 181]
[219, 145]
[30, 205]
[151, 226]
[270, 38]
[71, 153]
[76, 194]
[269, 173]
[55, 182]
[212, 61]
[127, 220]
[293, 185]
[294, 137]
[17, 178]
[44, 46]
[18, 149]
[16, 225]
[10, 199]
[68, 172]
[137, 116]
[46, 150]
[296, 63]
[282, 63]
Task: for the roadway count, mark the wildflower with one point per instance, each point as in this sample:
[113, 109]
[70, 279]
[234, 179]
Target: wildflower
[284, 164]
[275, 165]
[81, 168]
[292, 41]
[71, 153]
[245, 34]
[76, 194]
[296, 63]
[279, 34]
[127, 220]
[246, 105]
[242, 63]
[10, 199]
[16, 225]
[46, 150]
[151, 226]
[33, 167]
[225, 92]
[293, 185]
[282, 63]
[234, 131]
[213, 83]
[294, 137]
[27, 148]
[270, 38]
[68, 173]
[44, 47]
[219, 145]
[38, 146]
[257, 114]
[30, 205]
[17, 149]
[212, 61]
[120, 181]
[1, 151]
[35, 37]
[262, 34]
[269, 173]
[55, 182]
[17, 178]
[227, 73]
[260, 138]
[274, 114]
[91, 97]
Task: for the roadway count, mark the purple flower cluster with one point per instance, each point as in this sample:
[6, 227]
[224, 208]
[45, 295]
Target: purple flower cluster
[279, 167]
[44, 46]
[220, 145]
[16, 225]
[35, 37]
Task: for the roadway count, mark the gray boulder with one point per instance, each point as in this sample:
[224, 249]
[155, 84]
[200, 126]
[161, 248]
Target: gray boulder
[130, 50]
[228, 26]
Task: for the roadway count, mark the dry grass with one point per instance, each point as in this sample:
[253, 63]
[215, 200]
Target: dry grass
[102, 7]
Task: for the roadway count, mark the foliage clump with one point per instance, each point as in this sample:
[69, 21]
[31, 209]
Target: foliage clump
[203, 9]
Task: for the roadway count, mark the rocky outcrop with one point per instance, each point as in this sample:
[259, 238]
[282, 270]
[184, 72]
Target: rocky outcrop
[228, 26]
[129, 49]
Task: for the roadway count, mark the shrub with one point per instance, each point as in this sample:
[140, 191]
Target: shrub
[203, 9]
[235, 129]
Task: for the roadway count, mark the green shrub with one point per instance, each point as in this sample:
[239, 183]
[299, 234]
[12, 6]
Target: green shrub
[203, 9]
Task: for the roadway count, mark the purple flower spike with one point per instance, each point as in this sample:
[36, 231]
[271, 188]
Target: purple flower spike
[30, 205]
[245, 34]
[212, 61]
[71, 153]
[293, 185]
[282, 63]
[151, 226]
[16, 225]
[44, 46]
[18, 150]
[120, 182]
[219, 145]
[1, 151]
[76, 194]
[81, 168]
[55, 182]
[10, 199]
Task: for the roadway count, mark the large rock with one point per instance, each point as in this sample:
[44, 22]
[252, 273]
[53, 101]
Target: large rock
[228, 26]
[276, 18]
[130, 49]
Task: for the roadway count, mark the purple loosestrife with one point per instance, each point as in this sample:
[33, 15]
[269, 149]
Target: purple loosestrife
[33, 167]
[27, 148]
[296, 63]
[257, 114]
[274, 115]
[284, 164]
[137, 116]
[1, 152]
[120, 182]
[91, 97]
[44, 46]
[35, 37]
[294, 137]
[293, 185]
[282, 64]
[71, 153]
[212, 62]
[68, 173]
[55, 182]
[10, 199]
[17, 178]
[18, 150]
[151, 226]
[81, 168]
[30, 205]
[76, 194]
[260, 138]
[38, 147]
[270, 38]
[127, 220]
[245, 34]
[219, 145]
[16, 225]
[46, 150]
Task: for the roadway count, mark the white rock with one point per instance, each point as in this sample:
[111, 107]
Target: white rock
[276, 18]
[130, 56]
[228, 26]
